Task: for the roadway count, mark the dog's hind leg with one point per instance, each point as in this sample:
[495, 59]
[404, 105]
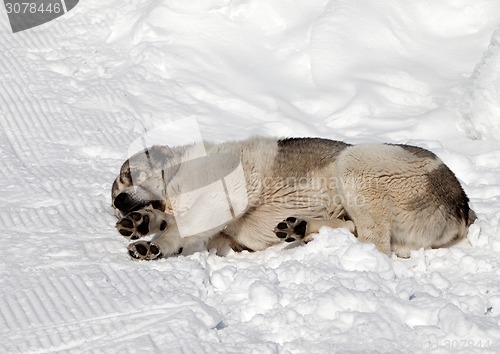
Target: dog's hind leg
[223, 244]
[376, 233]
[293, 228]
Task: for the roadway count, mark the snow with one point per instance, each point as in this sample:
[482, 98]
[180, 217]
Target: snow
[76, 92]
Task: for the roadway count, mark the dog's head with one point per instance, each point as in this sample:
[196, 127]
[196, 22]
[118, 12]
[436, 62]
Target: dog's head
[143, 179]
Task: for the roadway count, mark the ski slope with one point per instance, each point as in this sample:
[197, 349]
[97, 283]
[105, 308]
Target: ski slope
[75, 92]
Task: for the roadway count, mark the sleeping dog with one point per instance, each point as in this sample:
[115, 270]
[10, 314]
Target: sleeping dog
[252, 194]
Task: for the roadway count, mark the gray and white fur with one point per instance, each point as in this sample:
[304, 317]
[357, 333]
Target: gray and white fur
[399, 197]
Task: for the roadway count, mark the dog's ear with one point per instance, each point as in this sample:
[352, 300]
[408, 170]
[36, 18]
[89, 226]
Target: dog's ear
[160, 153]
[152, 167]
[125, 175]
[156, 156]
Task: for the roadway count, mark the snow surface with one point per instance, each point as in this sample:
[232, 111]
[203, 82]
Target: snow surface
[75, 92]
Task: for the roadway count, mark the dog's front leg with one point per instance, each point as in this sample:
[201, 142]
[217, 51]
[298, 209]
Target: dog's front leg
[168, 244]
[142, 223]
[150, 222]
[166, 240]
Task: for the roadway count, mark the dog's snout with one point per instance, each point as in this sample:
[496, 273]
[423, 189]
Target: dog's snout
[125, 203]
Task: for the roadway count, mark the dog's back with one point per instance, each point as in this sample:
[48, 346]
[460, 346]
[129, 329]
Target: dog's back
[402, 197]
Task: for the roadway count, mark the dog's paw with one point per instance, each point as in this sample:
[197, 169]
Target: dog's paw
[144, 250]
[140, 223]
[291, 229]
[134, 225]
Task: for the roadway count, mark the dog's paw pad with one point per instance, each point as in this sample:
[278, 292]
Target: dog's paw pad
[144, 250]
[134, 225]
[291, 229]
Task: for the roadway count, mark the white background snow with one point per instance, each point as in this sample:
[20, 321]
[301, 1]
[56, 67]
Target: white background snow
[75, 92]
